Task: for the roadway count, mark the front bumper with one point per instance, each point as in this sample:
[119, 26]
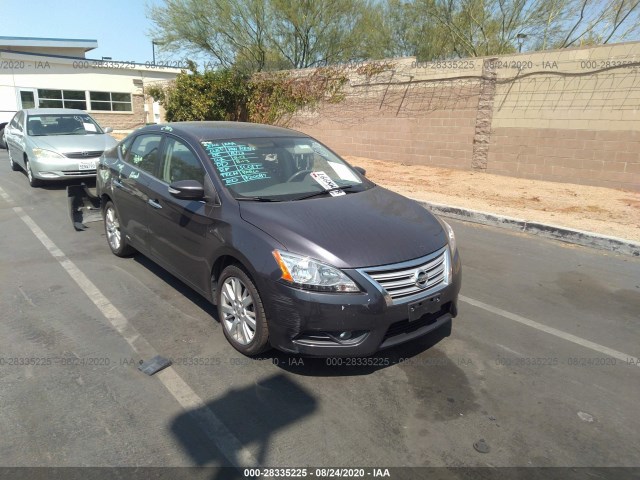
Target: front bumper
[310, 323]
[64, 169]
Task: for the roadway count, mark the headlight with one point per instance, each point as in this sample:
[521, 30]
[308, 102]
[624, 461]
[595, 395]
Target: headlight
[450, 236]
[42, 154]
[304, 272]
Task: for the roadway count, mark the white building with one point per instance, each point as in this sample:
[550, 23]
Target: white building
[54, 72]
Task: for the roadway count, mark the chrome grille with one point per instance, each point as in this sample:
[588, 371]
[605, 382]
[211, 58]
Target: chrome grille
[84, 155]
[399, 281]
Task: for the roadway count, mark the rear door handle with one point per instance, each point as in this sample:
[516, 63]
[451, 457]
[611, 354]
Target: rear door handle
[154, 203]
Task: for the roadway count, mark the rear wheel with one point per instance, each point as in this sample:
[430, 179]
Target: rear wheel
[33, 181]
[115, 237]
[241, 312]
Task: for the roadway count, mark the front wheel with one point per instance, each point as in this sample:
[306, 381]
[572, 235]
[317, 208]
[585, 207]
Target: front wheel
[241, 312]
[33, 181]
[14, 166]
[115, 237]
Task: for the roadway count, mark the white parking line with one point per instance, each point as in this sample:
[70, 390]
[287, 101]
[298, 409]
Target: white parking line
[553, 331]
[220, 435]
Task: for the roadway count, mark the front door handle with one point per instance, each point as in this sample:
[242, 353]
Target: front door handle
[154, 203]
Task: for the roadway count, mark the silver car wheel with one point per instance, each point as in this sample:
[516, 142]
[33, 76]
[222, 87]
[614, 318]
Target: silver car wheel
[238, 310]
[114, 236]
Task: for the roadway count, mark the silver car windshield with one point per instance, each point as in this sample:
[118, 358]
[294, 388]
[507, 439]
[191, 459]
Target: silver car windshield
[282, 168]
[61, 124]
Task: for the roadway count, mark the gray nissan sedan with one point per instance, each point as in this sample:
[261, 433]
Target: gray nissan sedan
[55, 144]
[298, 249]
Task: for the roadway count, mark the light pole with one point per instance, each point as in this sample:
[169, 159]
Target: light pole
[521, 37]
[153, 48]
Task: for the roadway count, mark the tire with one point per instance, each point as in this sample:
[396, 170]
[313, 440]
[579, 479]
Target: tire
[115, 237]
[14, 166]
[238, 314]
[33, 181]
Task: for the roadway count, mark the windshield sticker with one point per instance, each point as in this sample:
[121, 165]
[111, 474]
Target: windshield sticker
[344, 172]
[325, 182]
[236, 163]
[89, 127]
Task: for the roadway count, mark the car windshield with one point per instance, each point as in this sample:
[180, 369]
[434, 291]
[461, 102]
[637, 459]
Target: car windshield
[61, 124]
[281, 168]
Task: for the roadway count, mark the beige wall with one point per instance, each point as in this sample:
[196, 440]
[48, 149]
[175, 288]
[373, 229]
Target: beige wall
[546, 115]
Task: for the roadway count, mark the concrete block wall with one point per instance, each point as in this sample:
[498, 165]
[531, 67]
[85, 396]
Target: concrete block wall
[566, 115]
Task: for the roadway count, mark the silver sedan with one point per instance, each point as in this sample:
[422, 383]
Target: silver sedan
[55, 144]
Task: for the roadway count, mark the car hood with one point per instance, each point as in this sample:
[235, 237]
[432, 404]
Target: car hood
[369, 228]
[74, 143]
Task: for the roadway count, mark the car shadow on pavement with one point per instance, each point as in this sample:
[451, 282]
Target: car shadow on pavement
[236, 429]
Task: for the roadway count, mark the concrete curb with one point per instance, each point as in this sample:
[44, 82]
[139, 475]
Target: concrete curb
[578, 237]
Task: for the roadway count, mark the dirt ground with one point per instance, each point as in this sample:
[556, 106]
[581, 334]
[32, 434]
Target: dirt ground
[595, 209]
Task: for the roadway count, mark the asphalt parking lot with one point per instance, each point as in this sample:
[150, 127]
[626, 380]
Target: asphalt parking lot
[542, 363]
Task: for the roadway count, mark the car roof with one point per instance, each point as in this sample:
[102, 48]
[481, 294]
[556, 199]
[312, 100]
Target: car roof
[224, 130]
[54, 111]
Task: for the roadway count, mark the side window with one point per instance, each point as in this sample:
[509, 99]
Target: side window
[180, 163]
[124, 147]
[145, 153]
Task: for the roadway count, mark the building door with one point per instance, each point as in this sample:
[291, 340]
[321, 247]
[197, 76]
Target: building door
[27, 98]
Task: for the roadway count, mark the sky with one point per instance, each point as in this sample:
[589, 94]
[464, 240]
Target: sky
[120, 26]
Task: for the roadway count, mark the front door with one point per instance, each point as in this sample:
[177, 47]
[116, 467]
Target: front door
[14, 133]
[178, 229]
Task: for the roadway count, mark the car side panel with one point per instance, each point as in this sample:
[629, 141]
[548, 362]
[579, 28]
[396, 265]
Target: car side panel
[179, 232]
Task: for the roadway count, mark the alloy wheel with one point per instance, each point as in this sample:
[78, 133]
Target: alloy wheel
[114, 235]
[238, 310]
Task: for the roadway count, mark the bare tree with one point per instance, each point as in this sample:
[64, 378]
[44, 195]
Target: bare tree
[488, 27]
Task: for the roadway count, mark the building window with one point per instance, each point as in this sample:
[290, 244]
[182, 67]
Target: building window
[110, 101]
[62, 99]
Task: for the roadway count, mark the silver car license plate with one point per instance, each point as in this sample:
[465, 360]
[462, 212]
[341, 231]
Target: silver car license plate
[87, 165]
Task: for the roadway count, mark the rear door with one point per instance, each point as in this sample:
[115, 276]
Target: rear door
[179, 229]
[130, 179]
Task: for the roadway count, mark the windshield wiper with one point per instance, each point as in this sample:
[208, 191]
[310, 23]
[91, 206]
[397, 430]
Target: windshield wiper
[256, 199]
[322, 192]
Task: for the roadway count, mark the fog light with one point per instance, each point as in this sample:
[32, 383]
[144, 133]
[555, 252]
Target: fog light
[344, 336]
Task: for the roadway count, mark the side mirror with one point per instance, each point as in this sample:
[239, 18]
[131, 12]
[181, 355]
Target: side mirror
[361, 171]
[107, 130]
[187, 190]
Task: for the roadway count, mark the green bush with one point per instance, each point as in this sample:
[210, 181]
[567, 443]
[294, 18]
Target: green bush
[212, 95]
[227, 94]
